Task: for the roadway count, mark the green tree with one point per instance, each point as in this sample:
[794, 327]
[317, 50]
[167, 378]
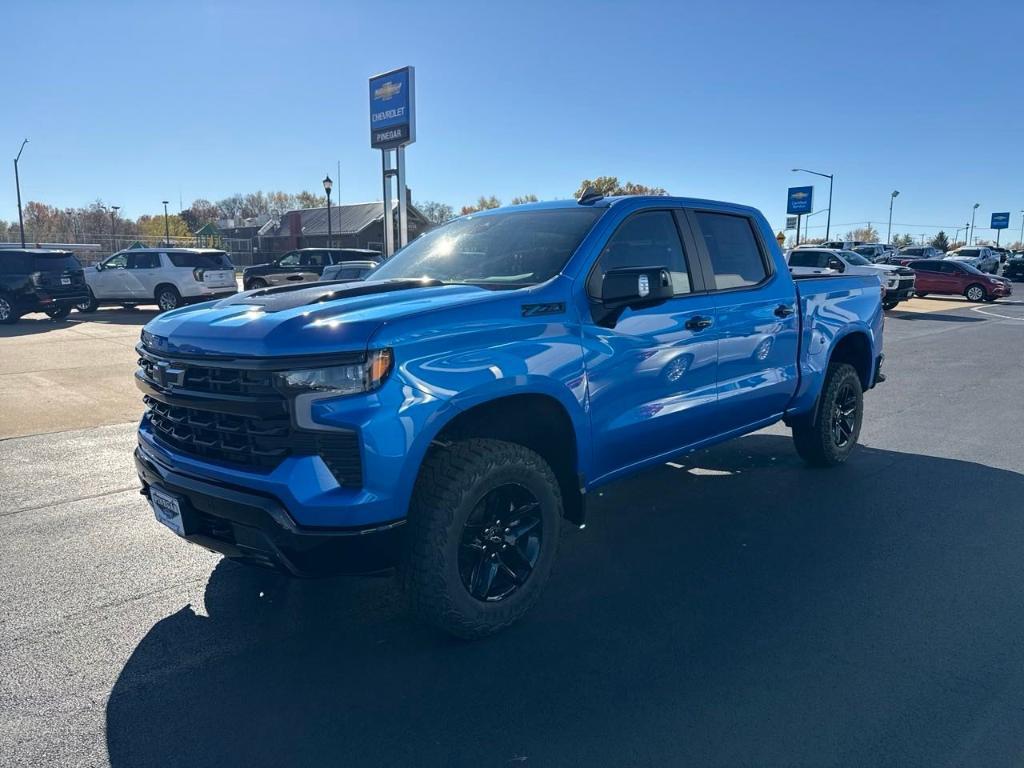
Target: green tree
[436, 213]
[199, 214]
[902, 241]
[153, 226]
[940, 241]
[482, 204]
[609, 186]
[521, 200]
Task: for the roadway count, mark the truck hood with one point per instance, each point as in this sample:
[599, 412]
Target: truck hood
[316, 319]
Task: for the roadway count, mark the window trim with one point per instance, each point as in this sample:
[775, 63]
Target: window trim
[705, 255]
[686, 243]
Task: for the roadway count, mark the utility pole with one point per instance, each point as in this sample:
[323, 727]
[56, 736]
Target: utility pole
[17, 184]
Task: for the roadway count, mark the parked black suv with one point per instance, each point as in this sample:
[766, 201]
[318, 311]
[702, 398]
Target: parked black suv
[302, 266]
[38, 280]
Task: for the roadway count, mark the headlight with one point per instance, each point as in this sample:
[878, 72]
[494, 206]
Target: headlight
[350, 379]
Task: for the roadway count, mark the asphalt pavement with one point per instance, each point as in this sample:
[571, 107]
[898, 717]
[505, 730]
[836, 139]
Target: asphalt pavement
[734, 608]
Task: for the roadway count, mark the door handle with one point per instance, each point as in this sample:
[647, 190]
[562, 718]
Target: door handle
[698, 323]
[783, 310]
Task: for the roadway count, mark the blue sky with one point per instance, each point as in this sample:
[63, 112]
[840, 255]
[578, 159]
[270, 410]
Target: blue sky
[139, 102]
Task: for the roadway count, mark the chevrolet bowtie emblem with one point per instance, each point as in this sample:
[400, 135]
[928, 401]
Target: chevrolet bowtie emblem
[387, 90]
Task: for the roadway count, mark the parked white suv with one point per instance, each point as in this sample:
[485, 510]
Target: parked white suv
[167, 277]
[898, 281]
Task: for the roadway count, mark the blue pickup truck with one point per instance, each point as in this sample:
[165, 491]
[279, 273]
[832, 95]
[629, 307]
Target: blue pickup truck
[448, 416]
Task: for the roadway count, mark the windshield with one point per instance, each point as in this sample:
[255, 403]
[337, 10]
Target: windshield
[856, 259]
[514, 248]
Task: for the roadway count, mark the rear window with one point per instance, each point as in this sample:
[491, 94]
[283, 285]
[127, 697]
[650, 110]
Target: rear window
[971, 252]
[209, 260]
[808, 259]
[56, 263]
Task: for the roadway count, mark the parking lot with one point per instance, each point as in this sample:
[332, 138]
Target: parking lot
[735, 608]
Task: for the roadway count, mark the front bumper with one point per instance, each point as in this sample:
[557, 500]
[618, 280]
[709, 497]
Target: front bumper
[257, 529]
[899, 294]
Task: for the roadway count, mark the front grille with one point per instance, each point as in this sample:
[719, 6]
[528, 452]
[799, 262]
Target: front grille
[906, 282]
[259, 440]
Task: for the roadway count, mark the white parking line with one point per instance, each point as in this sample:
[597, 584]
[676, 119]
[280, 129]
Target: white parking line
[983, 311]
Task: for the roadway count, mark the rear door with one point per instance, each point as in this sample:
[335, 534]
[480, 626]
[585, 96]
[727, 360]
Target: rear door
[756, 314]
[311, 264]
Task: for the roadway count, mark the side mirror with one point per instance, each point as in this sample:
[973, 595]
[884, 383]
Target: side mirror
[837, 265]
[99, 266]
[635, 287]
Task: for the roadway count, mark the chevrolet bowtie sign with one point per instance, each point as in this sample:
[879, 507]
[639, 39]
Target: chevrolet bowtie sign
[800, 200]
[393, 108]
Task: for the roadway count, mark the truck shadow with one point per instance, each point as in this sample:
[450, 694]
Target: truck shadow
[737, 609]
[37, 322]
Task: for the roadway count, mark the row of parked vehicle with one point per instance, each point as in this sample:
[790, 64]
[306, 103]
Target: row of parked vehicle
[913, 271]
[55, 282]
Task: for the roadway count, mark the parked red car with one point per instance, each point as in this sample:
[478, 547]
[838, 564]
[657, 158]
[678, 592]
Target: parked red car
[956, 278]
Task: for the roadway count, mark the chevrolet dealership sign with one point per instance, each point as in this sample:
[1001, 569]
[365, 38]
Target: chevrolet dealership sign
[393, 108]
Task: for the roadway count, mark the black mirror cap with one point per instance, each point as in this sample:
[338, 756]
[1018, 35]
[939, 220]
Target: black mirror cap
[635, 287]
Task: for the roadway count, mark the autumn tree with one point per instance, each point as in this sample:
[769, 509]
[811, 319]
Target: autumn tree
[199, 214]
[436, 213]
[482, 204]
[866, 234]
[306, 199]
[153, 226]
[608, 186]
[523, 199]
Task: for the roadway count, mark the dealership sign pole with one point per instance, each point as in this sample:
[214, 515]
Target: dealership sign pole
[393, 127]
[799, 201]
[1000, 221]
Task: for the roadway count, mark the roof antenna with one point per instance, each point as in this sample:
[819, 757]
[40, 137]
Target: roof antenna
[590, 195]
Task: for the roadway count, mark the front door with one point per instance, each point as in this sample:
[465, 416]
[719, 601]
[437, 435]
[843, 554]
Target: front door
[110, 281]
[650, 371]
[758, 324]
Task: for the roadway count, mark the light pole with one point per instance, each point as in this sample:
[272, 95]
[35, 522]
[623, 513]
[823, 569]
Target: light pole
[17, 184]
[167, 229]
[829, 176]
[327, 188]
[974, 210]
[892, 199]
[113, 226]
[1021, 228]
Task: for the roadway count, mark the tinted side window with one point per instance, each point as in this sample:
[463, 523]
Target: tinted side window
[15, 263]
[732, 247]
[289, 260]
[647, 239]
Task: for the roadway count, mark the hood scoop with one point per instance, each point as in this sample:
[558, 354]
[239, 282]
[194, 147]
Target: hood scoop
[287, 297]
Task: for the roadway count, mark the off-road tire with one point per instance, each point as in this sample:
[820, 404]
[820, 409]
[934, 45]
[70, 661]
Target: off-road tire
[451, 482]
[814, 436]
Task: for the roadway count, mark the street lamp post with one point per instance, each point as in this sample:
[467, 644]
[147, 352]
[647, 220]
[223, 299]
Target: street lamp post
[167, 229]
[892, 198]
[113, 226]
[830, 177]
[327, 188]
[17, 185]
[974, 210]
[1022, 228]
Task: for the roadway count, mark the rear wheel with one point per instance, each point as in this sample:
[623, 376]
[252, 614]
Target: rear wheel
[167, 298]
[974, 293]
[920, 294]
[256, 283]
[828, 438]
[7, 313]
[58, 313]
[483, 533]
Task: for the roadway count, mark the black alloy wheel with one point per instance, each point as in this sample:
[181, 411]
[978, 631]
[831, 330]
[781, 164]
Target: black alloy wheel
[500, 543]
[844, 414]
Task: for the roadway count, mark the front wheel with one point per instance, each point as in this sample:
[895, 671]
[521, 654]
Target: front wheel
[58, 313]
[168, 298]
[256, 283]
[483, 533]
[828, 438]
[890, 303]
[89, 305]
[920, 294]
[8, 315]
[974, 293]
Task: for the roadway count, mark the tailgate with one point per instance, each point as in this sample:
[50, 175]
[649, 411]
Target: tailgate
[219, 278]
